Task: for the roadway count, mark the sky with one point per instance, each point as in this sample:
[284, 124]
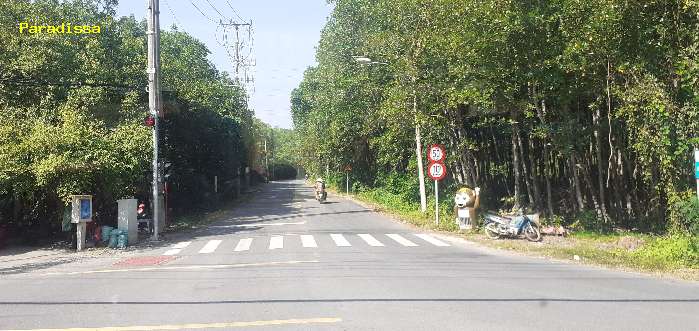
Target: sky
[285, 34]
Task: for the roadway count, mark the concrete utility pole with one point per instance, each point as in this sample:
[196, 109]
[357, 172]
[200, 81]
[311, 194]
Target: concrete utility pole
[418, 153]
[154, 102]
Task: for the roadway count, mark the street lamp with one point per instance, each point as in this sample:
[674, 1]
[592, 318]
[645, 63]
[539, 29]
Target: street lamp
[363, 60]
[366, 60]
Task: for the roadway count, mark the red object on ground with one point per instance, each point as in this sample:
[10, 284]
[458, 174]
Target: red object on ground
[143, 261]
[149, 121]
[98, 234]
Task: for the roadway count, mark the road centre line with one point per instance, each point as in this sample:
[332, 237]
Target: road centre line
[188, 267]
[295, 321]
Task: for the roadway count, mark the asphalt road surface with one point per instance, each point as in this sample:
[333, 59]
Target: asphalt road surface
[282, 261]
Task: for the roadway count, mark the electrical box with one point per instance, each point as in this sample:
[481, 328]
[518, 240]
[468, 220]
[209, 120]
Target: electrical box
[81, 209]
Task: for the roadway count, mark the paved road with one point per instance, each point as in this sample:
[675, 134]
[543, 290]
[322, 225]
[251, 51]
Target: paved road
[284, 262]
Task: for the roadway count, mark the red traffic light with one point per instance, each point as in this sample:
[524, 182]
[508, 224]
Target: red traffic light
[149, 121]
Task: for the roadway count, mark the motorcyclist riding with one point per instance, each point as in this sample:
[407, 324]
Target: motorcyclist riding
[320, 190]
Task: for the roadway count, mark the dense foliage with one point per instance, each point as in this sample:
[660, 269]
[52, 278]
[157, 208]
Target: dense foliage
[72, 110]
[564, 106]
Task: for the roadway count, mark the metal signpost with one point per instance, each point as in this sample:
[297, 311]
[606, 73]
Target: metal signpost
[437, 171]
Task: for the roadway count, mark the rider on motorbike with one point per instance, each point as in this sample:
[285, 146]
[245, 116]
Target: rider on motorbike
[320, 189]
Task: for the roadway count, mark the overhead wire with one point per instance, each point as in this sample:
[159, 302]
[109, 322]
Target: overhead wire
[201, 12]
[216, 9]
[235, 11]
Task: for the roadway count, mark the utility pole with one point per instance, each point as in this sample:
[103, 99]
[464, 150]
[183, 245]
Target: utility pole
[266, 159]
[154, 104]
[418, 153]
[237, 59]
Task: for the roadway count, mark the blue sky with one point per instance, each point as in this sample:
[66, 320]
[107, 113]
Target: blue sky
[285, 36]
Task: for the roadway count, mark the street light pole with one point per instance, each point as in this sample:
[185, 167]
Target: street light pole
[154, 101]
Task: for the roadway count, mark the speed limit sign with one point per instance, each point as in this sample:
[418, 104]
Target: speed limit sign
[436, 153]
[437, 171]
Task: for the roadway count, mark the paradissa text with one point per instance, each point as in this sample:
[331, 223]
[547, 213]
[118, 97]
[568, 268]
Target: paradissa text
[64, 28]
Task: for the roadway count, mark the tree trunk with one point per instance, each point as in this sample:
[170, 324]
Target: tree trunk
[526, 172]
[602, 210]
[515, 168]
[576, 181]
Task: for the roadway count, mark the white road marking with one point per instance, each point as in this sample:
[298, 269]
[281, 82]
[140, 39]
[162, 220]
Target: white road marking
[177, 248]
[340, 240]
[308, 241]
[370, 239]
[243, 245]
[193, 326]
[401, 240]
[188, 267]
[431, 240]
[253, 225]
[210, 247]
[276, 242]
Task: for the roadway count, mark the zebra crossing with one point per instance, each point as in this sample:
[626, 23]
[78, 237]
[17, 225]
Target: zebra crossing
[276, 242]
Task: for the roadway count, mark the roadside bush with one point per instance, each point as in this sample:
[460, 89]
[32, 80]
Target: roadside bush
[684, 213]
[587, 221]
[670, 251]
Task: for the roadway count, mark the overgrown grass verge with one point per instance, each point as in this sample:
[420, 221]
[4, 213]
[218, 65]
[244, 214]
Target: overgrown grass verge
[670, 255]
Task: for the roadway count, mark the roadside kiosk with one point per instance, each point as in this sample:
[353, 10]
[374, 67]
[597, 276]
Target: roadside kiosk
[81, 213]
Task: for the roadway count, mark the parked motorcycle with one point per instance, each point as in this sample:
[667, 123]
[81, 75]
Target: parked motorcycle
[321, 194]
[499, 226]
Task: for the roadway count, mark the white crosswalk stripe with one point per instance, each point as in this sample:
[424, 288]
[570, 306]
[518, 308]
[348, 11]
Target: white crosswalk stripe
[177, 248]
[399, 239]
[276, 242]
[431, 240]
[370, 239]
[307, 240]
[243, 245]
[210, 247]
[340, 240]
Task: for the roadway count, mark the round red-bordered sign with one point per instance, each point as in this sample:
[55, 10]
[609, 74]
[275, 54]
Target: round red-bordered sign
[437, 170]
[436, 153]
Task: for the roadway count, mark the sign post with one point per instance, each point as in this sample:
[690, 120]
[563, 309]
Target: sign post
[437, 171]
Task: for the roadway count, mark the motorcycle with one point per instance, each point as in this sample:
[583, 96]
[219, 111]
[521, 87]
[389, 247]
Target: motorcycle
[499, 226]
[321, 194]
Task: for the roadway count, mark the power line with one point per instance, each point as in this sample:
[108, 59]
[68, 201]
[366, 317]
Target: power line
[235, 11]
[216, 9]
[201, 12]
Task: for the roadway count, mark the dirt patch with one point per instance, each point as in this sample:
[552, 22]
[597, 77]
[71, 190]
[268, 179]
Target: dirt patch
[629, 243]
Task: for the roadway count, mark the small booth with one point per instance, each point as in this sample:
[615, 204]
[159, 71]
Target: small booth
[81, 214]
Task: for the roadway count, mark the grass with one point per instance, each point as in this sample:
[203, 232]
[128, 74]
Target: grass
[675, 256]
